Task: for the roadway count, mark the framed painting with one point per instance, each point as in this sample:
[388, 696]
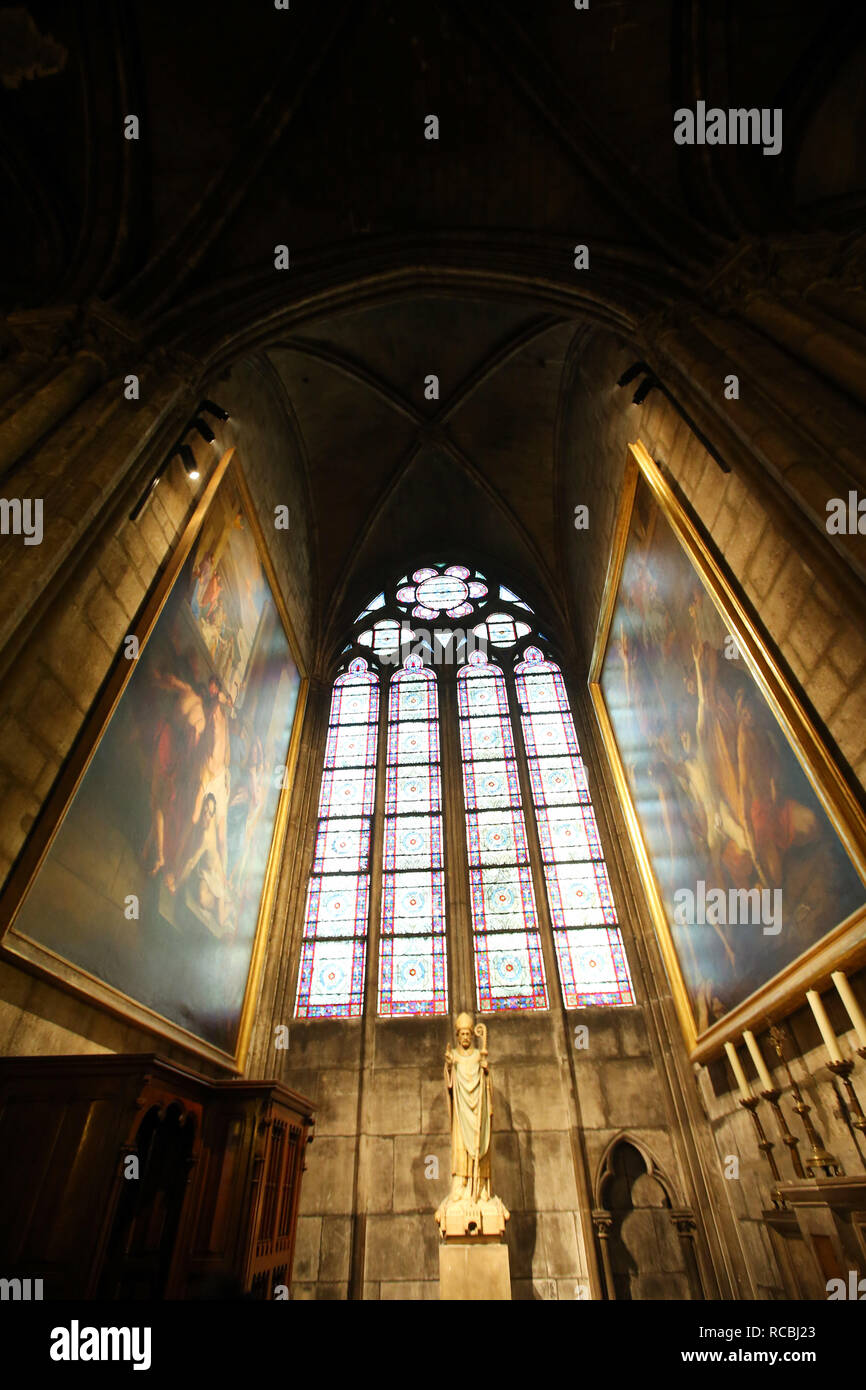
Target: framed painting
[148, 881]
[750, 843]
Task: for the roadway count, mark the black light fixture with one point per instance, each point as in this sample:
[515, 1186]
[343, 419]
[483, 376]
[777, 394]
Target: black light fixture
[184, 452]
[648, 384]
[146, 495]
[204, 429]
[189, 463]
[651, 383]
[631, 372]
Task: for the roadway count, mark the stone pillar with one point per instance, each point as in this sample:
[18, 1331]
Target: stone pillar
[47, 407]
[603, 1223]
[458, 909]
[685, 1225]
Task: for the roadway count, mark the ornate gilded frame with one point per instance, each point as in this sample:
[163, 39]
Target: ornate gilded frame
[47, 963]
[845, 946]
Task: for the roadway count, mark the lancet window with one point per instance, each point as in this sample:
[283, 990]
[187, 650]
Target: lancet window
[479, 840]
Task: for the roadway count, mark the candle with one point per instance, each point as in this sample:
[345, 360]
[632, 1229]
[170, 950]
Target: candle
[745, 1093]
[760, 1065]
[823, 1023]
[855, 1013]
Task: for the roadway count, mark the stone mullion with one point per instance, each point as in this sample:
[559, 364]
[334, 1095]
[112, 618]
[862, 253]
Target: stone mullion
[558, 1015]
[461, 992]
[377, 840]
[363, 1177]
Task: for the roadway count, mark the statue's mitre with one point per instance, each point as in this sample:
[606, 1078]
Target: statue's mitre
[464, 1021]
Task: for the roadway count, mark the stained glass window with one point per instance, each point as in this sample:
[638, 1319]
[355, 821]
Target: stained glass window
[412, 963]
[377, 602]
[386, 637]
[510, 597]
[331, 981]
[592, 963]
[502, 630]
[433, 593]
[509, 969]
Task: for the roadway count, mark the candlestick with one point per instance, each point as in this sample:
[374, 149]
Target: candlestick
[858, 1119]
[739, 1074]
[824, 1024]
[766, 1145]
[760, 1065]
[819, 1157]
[855, 1013]
[790, 1140]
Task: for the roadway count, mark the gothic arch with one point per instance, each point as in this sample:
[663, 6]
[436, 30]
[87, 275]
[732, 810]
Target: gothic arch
[605, 1170]
[659, 1250]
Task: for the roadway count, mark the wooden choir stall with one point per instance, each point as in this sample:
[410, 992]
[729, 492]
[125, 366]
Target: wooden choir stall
[132, 1177]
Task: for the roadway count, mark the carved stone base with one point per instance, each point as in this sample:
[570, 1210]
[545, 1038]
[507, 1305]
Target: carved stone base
[472, 1270]
[464, 1217]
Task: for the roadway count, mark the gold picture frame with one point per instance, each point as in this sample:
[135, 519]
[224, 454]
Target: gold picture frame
[843, 947]
[49, 963]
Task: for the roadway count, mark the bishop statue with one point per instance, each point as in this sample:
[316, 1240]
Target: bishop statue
[469, 1206]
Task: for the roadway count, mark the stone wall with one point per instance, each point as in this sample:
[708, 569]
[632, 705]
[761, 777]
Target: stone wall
[370, 1180]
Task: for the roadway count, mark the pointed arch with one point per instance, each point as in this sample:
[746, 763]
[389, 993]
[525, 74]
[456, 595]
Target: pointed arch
[605, 1169]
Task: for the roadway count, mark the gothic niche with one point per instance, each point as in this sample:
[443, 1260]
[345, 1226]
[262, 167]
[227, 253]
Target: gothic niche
[646, 1242]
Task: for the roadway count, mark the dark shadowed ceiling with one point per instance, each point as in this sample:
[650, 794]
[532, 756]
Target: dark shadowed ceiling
[474, 466]
[409, 257]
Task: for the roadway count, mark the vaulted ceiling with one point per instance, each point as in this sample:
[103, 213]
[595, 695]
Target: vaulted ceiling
[409, 257]
[391, 469]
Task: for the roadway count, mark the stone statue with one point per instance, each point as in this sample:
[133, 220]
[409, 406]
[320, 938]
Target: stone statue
[469, 1207]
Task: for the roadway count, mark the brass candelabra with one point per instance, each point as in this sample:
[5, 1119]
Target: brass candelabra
[820, 1158]
[765, 1145]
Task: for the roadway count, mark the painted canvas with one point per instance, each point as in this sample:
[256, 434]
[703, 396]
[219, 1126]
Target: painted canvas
[750, 870]
[154, 881]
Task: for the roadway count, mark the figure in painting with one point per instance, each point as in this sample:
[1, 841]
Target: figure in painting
[174, 753]
[202, 878]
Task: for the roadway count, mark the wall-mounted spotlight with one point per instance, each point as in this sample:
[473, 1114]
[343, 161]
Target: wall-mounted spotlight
[631, 372]
[146, 495]
[189, 463]
[652, 383]
[204, 429]
[183, 451]
[648, 384]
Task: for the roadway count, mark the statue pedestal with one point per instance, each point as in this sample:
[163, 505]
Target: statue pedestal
[474, 1269]
[473, 1256]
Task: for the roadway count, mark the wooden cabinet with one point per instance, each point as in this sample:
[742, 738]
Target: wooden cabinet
[819, 1234]
[132, 1177]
